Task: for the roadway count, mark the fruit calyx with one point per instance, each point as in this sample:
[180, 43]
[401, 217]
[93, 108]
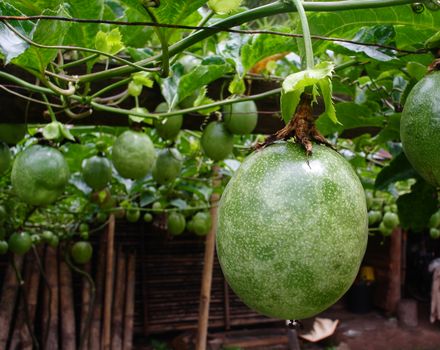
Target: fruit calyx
[435, 65]
[301, 127]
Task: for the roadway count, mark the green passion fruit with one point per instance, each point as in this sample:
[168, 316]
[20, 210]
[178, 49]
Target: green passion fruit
[97, 172]
[133, 154]
[216, 141]
[39, 175]
[81, 252]
[241, 118]
[420, 127]
[20, 243]
[176, 223]
[292, 230]
[167, 128]
[167, 166]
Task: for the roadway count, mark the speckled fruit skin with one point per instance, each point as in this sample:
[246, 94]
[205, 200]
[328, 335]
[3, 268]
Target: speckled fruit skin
[216, 141]
[241, 118]
[133, 154]
[292, 230]
[39, 175]
[420, 128]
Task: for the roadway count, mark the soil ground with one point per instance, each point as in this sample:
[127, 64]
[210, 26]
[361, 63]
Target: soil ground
[375, 331]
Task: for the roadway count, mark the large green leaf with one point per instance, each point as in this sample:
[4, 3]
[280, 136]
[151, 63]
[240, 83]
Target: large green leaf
[416, 207]
[47, 33]
[264, 45]
[210, 69]
[11, 45]
[82, 34]
[175, 11]
[350, 115]
[399, 169]
[35, 7]
[345, 23]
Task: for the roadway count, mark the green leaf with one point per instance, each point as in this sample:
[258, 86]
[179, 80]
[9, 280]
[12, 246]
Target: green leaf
[202, 99]
[170, 85]
[399, 169]
[11, 45]
[295, 84]
[344, 23]
[263, 45]
[110, 42]
[416, 70]
[83, 34]
[416, 207]
[143, 78]
[179, 203]
[222, 7]
[350, 116]
[237, 86]
[326, 89]
[47, 33]
[433, 42]
[35, 7]
[210, 69]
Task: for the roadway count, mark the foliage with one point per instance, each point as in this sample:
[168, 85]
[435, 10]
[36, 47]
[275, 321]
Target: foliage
[371, 77]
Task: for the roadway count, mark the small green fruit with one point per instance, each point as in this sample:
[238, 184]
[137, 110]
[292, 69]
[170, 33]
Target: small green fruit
[374, 216]
[3, 247]
[176, 223]
[216, 141]
[133, 214]
[390, 220]
[148, 217]
[97, 172]
[20, 243]
[167, 167]
[386, 231]
[81, 252]
[241, 118]
[167, 128]
[434, 233]
[434, 221]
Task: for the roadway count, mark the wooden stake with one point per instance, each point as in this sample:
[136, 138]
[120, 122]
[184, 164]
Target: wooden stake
[8, 300]
[119, 301]
[208, 265]
[393, 294]
[32, 294]
[85, 303]
[50, 301]
[129, 302]
[95, 329]
[68, 329]
[108, 295]
[21, 337]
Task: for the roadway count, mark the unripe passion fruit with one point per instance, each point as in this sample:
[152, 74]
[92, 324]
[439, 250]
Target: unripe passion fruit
[217, 142]
[420, 128]
[133, 154]
[292, 230]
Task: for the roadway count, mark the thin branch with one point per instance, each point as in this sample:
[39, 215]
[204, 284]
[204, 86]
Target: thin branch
[67, 47]
[29, 98]
[180, 26]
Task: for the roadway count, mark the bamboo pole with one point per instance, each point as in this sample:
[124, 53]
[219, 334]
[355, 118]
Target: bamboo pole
[68, 328]
[129, 302]
[108, 293]
[208, 265]
[32, 298]
[119, 300]
[85, 303]
[95, 329]
[8, 300]
[21, 337]
[50, 301]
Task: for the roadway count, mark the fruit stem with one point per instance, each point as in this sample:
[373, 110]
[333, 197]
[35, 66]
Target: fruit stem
[53, 118]
[165, 56]
[306, 33]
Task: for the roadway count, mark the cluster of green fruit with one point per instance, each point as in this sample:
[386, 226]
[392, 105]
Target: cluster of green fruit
[382, 212]
[238, 119]
[434, 225]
